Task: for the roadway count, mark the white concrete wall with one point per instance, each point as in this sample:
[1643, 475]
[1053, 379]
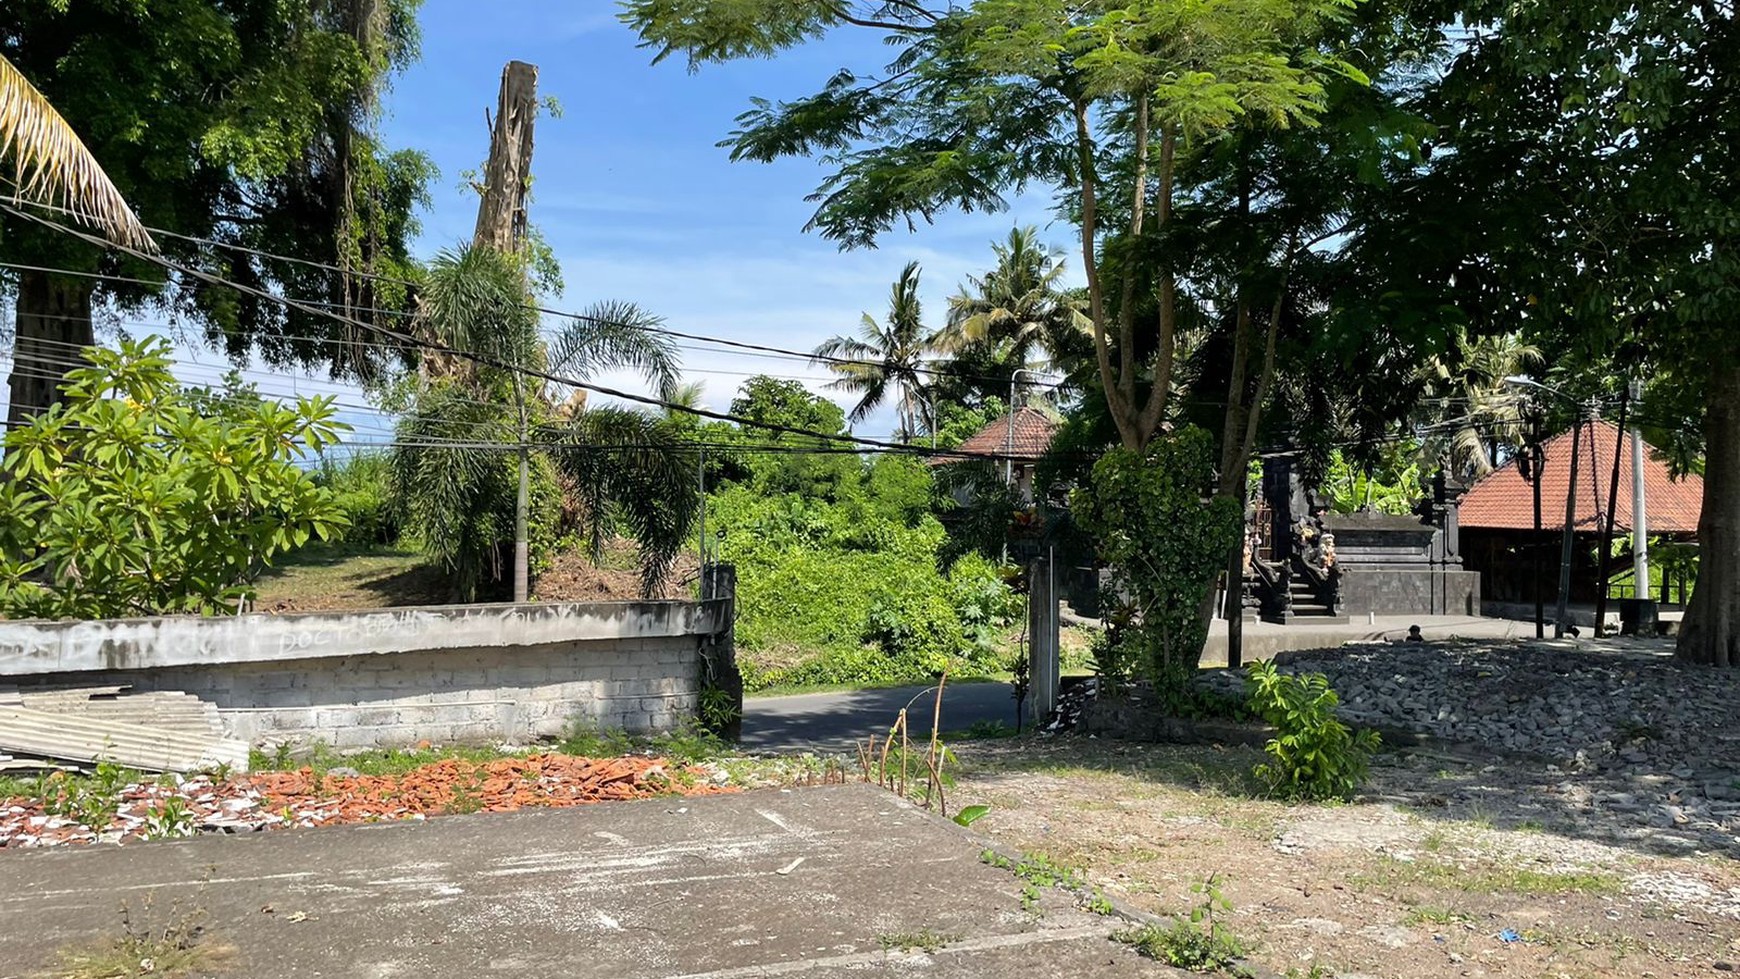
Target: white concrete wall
[398, 677]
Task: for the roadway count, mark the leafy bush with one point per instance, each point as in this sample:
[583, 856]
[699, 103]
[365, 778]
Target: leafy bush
[1165, 543]
[846, 586]
[363, 488]
[1314, 756]
[137, 497]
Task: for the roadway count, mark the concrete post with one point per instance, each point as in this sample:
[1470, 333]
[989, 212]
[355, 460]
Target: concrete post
[1042, 632]
[719, 581]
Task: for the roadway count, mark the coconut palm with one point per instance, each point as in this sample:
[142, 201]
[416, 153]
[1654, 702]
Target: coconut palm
[1466, 399]
[1017, 308]
[472, 421]
[885, 358]
[50, 164]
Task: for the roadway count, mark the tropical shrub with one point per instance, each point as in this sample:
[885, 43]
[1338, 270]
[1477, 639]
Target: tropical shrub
[362, 486]
[1165, 541]
[134, 496]
[1313, 756]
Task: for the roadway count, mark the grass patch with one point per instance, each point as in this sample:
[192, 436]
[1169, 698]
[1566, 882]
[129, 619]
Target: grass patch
[1185, 946]
[915, 941]
[1426, 915]
[800, 689]
[179, 947]
[1485, 879]
[1036, 869]
[352, 576]
[322, 758]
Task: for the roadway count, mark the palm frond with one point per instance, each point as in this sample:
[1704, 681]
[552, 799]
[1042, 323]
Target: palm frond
[631, 474]
[617, 336]
[52, 166]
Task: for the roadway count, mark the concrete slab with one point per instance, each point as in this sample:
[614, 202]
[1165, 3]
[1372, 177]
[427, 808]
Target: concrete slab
[810, 882]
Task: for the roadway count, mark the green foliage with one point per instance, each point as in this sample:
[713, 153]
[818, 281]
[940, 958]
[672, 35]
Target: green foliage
[1165, 543]
[1314, 756]
[1393, 487]
[1204, 944]
[169, 819]
[247, 123]
[971, 814]
[135, 497]
[844, 586]
[362, 488]
[92, 801]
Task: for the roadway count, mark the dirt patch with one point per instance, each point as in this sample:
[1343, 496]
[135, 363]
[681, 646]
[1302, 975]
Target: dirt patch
[575, 578]
[1392, 885]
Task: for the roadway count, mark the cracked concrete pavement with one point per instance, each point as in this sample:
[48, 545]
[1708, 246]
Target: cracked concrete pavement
[770, 883]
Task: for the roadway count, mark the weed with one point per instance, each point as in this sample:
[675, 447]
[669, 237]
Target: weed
[1433, 842]
[175, 948]
[1036, 869]
[717, 708]
[1425, 915]
[169, 819]
[281, 755]
[983, 730]
[1314, 755]
[1097, 903]
[925, 940]
[1485, 879]
[1030, 896]
[1317, 971]
[91, 800]
[1204, 944]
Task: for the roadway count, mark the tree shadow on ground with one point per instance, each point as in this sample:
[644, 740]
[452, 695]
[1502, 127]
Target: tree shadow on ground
[1466, 785]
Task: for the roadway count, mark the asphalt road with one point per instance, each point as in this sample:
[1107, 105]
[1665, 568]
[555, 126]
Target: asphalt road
[835, 722]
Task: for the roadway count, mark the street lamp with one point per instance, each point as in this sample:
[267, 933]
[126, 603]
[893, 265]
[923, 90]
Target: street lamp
[1009, 440]
[1561, 614]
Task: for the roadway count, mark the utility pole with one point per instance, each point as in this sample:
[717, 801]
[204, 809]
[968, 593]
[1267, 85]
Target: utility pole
[1605, 559]
[501, 224]
[1639, 512]
[1562, 615]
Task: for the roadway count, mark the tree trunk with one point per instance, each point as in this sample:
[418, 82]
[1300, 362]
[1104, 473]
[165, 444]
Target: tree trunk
[53, 323]
[501, 214]
[1710, 633]
[501, 224]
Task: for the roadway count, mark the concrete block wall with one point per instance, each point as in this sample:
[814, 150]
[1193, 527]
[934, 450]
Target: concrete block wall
[639, 670]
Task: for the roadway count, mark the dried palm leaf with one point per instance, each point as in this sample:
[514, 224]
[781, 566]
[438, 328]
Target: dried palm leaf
[52, 166]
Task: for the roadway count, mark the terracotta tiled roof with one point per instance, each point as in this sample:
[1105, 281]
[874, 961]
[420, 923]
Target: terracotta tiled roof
[1026, 440]
[1501, 500]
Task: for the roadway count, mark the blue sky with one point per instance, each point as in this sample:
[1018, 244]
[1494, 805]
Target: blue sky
[640, 204]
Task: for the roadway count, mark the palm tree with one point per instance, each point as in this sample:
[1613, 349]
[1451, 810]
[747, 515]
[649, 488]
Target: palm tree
[885, 357]
[1466, 399]
[1016, 308]
[620, 469]
[51, 165]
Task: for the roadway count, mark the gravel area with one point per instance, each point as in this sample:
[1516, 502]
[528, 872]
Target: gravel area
[1608, 731]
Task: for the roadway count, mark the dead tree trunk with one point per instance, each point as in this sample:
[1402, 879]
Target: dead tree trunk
[501, 214]
[501, 224]
[52, 327]
[1710, 633]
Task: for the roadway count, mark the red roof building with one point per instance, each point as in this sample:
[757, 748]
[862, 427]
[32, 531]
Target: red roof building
[1497, 517]
[1022, 438]
[1502, 500]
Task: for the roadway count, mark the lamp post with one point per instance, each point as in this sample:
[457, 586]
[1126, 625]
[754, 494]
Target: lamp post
[1009, 439]
[1562, 613]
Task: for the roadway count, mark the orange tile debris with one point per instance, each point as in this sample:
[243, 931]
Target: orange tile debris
[276, 800]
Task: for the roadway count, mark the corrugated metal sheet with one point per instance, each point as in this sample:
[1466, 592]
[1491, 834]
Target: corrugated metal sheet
[88, 739]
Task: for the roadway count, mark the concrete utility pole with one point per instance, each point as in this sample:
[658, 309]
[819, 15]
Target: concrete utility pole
[501, 224]
[1639, 515]
[1562, 615]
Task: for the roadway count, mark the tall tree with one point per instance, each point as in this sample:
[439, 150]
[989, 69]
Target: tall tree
[241, 122]
[995, 94]
[1014, 316]
[623, 470]
[885, 358]
[1599, 137]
